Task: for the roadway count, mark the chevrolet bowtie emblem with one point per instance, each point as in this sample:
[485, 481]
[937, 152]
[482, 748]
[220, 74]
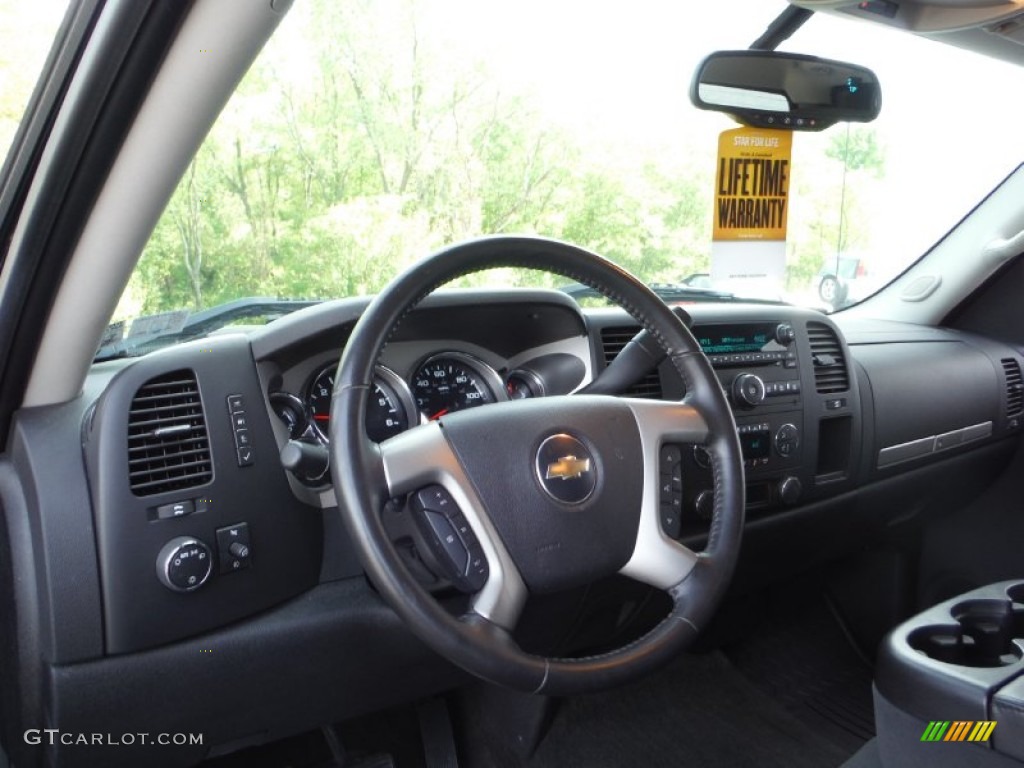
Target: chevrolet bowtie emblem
[567, 468]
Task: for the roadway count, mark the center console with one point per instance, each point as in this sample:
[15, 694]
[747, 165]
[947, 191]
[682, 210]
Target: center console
[758, 365]
[955, 674]
[786, 374]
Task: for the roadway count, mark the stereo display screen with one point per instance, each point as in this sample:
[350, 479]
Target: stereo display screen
[733, 339]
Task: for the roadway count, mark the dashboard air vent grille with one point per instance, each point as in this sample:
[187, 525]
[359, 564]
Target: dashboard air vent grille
[168, 446]
[612, 342]
[830, 373]
[1014, 387]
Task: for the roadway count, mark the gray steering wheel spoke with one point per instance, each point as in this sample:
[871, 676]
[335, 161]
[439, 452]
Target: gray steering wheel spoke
[659, 560]
[423, 457]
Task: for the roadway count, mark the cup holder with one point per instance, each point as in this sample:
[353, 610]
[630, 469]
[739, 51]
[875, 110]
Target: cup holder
[982, 636]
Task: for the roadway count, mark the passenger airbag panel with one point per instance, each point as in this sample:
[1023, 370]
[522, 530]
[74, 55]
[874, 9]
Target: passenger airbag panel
[929, 398]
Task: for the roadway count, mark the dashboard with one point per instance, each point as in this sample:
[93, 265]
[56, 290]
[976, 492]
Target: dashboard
[171, 519]
[223, 489]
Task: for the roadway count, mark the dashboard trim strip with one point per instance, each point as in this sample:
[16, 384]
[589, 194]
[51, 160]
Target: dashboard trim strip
[915, 449]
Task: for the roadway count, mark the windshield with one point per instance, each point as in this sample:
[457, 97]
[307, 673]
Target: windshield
[27, 31]
[369, 134]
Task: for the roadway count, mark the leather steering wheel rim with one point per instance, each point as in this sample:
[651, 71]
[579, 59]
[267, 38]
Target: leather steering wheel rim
[363, 475]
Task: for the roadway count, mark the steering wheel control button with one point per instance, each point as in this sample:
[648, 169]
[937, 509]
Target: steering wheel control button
[566, 470]
[452, 548]
[671, 521]
[177, 509]
[787, 440]
[184, 564]
[437, 499]
[234, 550]
[671, 456]
[670, 489]
[450, 538]
[477, 570]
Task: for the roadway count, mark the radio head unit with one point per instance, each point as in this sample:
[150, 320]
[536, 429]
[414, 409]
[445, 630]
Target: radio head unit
[747, 344]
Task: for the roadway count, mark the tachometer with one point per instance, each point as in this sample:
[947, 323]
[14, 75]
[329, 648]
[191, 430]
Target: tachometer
[453, 382]
[386, 413]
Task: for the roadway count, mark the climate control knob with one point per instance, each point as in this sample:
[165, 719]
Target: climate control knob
[748, 390]
[787, 440]
[184, 564]
[790, 489]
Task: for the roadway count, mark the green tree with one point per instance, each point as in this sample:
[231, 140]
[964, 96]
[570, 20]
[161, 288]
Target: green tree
[859, 149]
[390, 146]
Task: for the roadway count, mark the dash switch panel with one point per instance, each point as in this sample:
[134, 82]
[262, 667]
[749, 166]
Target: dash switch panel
[234, 552]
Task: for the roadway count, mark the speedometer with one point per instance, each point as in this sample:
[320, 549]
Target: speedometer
[386, 412]
[453, 382]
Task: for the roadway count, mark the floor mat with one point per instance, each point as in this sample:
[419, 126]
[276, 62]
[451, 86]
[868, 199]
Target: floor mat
[804, 662]
[700, 711]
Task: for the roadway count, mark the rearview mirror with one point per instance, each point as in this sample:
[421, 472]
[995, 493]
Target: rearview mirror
[771, 89]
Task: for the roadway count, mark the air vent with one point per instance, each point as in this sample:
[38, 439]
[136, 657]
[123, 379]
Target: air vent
[1014, 387]
[612, 341]
[830, 374]
[168, 447]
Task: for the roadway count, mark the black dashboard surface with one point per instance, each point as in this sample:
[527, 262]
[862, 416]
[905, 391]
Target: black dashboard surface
[821, 412]
[817, 418]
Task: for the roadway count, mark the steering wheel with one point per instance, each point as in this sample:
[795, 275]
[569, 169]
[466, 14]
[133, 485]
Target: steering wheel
[549, 493]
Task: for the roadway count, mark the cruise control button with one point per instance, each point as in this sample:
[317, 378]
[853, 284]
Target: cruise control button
[451, 544]
[478, 573]
[438, 499]
[464, 531]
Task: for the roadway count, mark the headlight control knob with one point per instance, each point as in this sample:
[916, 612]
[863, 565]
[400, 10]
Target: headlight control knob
[184, 564]
[748, 390]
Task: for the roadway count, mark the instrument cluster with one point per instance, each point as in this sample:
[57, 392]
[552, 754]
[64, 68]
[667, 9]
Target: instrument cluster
[441, 383]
